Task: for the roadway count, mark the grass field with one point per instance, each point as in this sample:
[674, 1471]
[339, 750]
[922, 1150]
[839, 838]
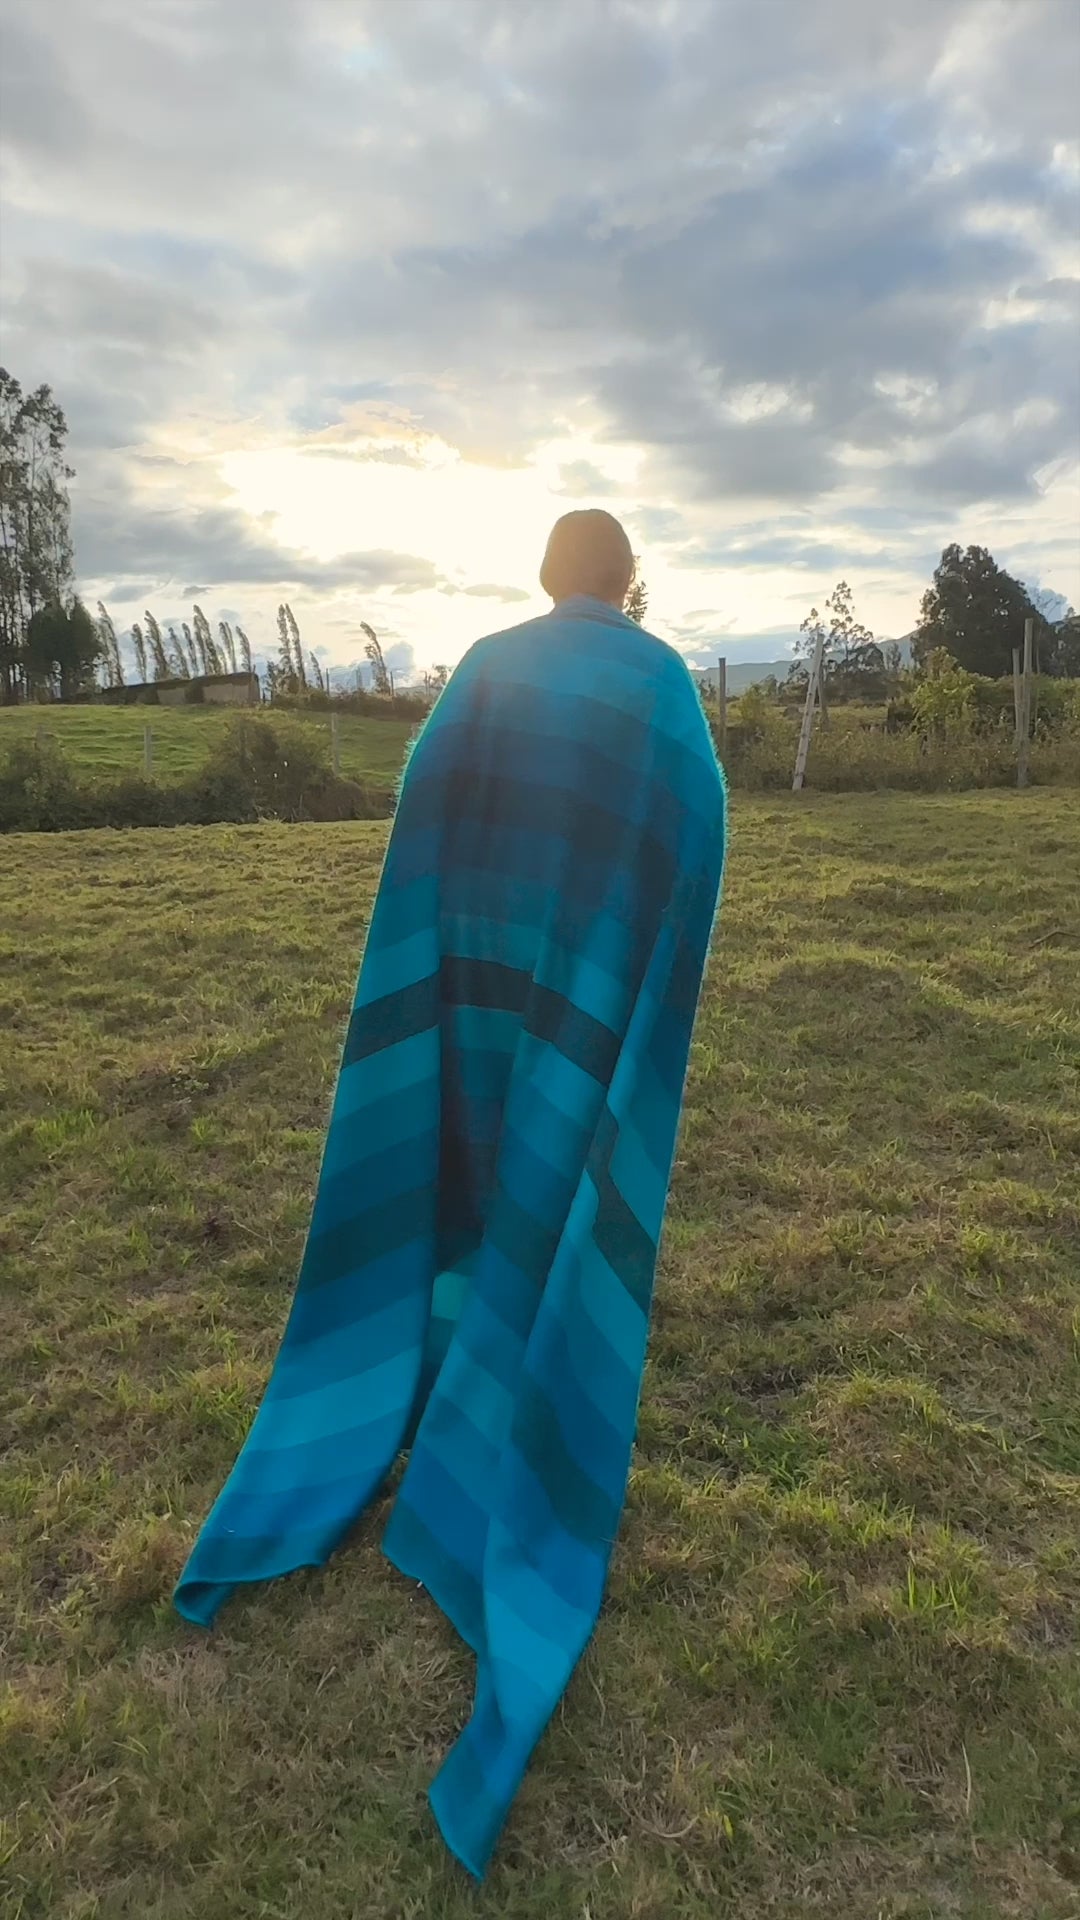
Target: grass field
[837, 1674]
[109, 740]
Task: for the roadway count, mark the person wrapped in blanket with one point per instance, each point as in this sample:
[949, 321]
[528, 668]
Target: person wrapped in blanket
[476, 1284]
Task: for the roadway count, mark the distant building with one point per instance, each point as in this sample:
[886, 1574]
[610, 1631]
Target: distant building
[202, 690]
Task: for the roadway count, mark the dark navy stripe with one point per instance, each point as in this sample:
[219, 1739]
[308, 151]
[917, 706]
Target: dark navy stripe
[603, 1145]
[582, 1507]
[587, 1042]
[528, 1243]
[391, 1019]
[483, 983]
[349, 1245]
[624, 1243]
[546, 1014]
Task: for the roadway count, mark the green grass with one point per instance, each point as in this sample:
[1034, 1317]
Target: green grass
[109, 740]
[837, 1674]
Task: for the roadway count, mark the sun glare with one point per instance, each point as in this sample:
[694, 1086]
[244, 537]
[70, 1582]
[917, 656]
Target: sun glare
[476, 523]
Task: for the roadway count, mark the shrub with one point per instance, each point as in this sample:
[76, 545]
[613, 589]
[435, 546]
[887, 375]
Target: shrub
[275, 759]
[846, 759]
[908, 761]
[131, 800]
[273, 766]
[339, 799]
[944, 703]
[761, 741]
[375, 706]
[1056, 761]
[259, 769]
[38, 789]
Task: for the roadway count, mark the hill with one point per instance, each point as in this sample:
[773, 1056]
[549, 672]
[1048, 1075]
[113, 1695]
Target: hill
[742, 674]
[836, 1675]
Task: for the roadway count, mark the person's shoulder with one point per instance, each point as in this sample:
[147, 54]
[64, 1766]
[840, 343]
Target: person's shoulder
[668, 664]
[614, 637]
[491, 647]
[667, 656]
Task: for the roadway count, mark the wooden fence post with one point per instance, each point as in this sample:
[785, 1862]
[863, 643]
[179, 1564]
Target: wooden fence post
[1016, 694]
[148, 751]
[721, 691]
[335, 742]
[812, 688]
[1023, 756]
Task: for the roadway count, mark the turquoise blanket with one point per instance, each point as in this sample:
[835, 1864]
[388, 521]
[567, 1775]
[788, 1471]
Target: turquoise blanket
[477, 1279]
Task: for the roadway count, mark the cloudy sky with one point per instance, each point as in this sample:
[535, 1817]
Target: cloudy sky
[347, 299]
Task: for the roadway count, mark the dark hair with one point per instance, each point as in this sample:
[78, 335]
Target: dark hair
[588, 552]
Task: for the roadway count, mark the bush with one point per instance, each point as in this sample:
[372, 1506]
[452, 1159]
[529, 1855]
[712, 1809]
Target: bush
[374, 706]
[909, 762]
[38, 789]
[271, 766]
[944, 703]
[275, 758]
[1054, 704]
[761, 755]
[761, 742]
[899, 715]
[336, 798]
[259, 769]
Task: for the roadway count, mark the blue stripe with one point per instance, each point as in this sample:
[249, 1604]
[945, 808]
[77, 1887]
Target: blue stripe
[369, 1082]
[334, 1407]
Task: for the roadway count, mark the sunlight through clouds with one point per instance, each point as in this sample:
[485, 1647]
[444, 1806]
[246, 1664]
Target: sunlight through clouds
[345, 303]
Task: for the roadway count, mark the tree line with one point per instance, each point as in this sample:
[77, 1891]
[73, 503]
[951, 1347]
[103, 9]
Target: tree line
[974, 612]
[195, 652]
[36, 556]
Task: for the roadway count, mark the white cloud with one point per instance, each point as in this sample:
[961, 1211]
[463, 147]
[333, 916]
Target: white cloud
[345, 300]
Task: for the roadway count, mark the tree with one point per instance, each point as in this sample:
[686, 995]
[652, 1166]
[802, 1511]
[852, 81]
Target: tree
[35, 522]
[205, 642]
[893, 656]
[198, 640]
[245, 650]
[227, 645]
[293, 634]
[139, 644]
[110, 647]
[61, 650]
[290, 673]
[976, 612]
[853, 665]
[1066, 662]
[380, 673]
[812, 629]
[1046, 600]
[285, 678]
[636, 604]
[162, 664]
[177, 658]
[191, 648]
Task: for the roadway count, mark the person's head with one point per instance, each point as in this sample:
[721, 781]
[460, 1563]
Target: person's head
[588, 552]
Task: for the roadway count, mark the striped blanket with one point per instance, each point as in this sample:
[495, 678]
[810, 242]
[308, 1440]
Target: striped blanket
[477, 1279]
